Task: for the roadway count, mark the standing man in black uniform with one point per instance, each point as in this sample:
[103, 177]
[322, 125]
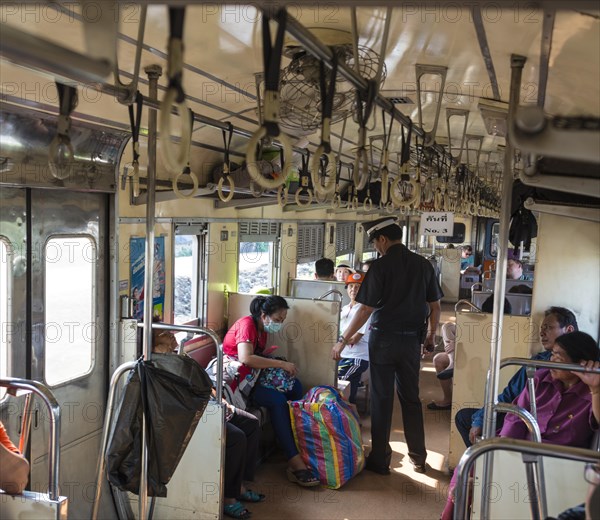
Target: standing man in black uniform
[403, 294]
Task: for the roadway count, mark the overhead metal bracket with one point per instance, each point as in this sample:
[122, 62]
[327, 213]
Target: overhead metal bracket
[578, 212]
[576, 139]
[579, 185]
[457, 112]
[476, 149]
[434, 70]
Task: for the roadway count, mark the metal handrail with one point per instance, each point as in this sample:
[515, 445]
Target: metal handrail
[549, 450]
[332, 291]
[472, 307]
[112, 390]
[540, 363]
[14, 383]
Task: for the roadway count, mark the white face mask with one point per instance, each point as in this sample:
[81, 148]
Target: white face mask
[273, 327]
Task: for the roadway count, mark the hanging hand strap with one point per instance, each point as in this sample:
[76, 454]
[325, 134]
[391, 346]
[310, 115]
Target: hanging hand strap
[364, 107]
[324, 149]
[186, 171]
[305, 182]
[60, 153]
[135, 121]
[226, 166]
[175, 96]
[270, 124]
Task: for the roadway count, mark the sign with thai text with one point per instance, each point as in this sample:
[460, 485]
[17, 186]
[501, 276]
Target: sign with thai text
[439, 223]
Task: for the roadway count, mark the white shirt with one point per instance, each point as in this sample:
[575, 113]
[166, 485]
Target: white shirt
[361, 349]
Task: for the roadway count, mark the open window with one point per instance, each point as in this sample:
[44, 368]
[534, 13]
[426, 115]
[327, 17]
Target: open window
[258, 257]
[344, 243]
[189, 273]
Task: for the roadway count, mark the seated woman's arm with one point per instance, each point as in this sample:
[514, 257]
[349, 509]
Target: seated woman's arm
[513, 426]
[14, 471]
[247, 356]
[593, 382]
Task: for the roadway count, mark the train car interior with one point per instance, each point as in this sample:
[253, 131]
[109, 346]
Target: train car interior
[163, 164]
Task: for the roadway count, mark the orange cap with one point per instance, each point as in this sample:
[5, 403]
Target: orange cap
[355, 278]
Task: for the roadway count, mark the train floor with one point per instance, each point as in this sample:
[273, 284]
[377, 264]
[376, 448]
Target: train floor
[403, 494]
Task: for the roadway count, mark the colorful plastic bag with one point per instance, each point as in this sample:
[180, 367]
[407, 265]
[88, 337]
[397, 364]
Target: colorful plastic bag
[327, 434]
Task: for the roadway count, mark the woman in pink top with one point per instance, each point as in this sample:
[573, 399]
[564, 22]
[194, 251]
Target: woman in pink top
[245, 341]
[568, 403]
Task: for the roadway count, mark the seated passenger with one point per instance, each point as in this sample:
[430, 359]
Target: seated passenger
[444, 361]
[245, 341]
[467, 263]
[242, 435]
[342, 272]
[568, 403]
[355, 355]
[557, 321]
[324, 269]
[14, 468]
[514, 269]
[364, 267]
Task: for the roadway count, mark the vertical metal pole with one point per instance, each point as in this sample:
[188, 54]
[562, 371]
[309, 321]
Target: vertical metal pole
[154, 72]
[491, 391]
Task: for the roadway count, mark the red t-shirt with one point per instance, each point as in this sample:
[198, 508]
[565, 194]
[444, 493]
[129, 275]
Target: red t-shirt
[6, 442]
[243, 331]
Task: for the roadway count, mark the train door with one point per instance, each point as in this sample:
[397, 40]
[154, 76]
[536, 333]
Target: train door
[59, 241]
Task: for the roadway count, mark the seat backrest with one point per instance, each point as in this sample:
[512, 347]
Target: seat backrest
[201, 349]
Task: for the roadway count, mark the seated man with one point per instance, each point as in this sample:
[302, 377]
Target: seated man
[324, 269]
[514, 269]
[557, 321]
[467, 263]
[14, 468]
[444, 361]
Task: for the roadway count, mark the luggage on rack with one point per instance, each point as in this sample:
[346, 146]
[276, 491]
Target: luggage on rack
[174, 391]
[327, 434]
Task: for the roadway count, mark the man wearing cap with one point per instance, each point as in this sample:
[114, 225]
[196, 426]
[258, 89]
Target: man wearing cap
[401, 292]
[354, 359]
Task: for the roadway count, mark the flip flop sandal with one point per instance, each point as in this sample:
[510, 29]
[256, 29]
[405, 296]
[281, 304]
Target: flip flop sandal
[251, 496]
[302, 477]
[237, 510]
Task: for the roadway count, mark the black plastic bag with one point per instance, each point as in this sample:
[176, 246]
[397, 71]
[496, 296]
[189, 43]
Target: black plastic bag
[176, 393]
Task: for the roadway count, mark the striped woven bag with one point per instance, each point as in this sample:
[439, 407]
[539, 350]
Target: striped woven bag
[327, 434]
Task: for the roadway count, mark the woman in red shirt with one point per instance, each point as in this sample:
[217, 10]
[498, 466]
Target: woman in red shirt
[14, 468]
[245, 341]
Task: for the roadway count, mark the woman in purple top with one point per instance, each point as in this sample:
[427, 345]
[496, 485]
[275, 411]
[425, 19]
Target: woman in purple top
[565, 413]
[568, 403]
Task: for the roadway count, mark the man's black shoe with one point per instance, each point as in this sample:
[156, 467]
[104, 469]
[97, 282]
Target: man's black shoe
[419, 468]
[377, 469]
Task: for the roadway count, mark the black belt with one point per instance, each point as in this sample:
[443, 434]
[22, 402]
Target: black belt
[398, 332]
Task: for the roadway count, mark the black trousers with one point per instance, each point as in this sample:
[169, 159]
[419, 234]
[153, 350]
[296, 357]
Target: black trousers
[242, 434]
[395, 358]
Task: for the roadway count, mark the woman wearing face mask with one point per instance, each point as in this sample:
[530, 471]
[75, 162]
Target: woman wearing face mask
[246, 341]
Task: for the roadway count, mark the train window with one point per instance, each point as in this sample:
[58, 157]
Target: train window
[311, 238]
[70, 292]
[458, 235]
[257, 256]
[5, 314]
[344, 243]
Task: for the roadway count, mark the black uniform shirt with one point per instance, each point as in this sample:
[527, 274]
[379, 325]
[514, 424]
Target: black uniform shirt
[399, 285]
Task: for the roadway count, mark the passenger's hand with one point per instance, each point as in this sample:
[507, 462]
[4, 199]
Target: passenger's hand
[474, 433]
[429, 344]
[592, 380]
[290, 368]
[336, 351]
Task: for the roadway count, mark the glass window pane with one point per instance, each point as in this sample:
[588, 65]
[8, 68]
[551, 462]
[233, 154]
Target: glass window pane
[305, 271]
[5, 314]
[255, 267]
[185, 295]
[70, 328]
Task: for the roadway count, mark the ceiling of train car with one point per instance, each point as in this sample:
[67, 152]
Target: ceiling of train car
[223, 51]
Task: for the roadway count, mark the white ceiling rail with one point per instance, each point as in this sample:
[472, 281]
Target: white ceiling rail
[578, 212]
[433, 70]
[25, 49]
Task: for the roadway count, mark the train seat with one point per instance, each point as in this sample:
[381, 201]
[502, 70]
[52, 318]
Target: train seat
[344, 388]
[520, 303]
[202, 350]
